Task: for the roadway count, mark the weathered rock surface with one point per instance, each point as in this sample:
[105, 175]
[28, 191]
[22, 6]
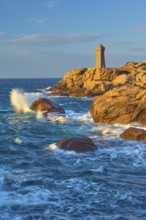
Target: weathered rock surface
[120, 105]
[90, 82]
[77, 144]
[120, 92]
[43, 104]
[134, 134]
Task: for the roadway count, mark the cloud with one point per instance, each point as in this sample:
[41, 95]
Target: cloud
[39, 40]
[28, 45]
[37, 20]
[125, 43]
[40, 21]
[20, 51]
[142, 30]
[138, 49]
[2, 34]
[51, 3]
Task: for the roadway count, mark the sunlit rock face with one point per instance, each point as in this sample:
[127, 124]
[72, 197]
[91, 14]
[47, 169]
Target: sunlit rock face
[90, 82]
[120, 92]
[133, 133]
[123, 104]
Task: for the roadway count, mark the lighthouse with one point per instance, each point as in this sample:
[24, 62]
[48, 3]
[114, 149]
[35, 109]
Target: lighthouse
[100, 59]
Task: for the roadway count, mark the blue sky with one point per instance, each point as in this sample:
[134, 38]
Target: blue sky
[47, 38]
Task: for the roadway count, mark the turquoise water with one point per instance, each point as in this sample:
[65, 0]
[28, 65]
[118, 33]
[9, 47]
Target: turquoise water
[36, 183]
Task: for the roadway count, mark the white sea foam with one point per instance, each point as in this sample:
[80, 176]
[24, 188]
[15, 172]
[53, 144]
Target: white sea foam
[19, 101]
[57, 118]
[86, 117]
[112, 130]
[40, 116]
[52, 147]
[18, 140]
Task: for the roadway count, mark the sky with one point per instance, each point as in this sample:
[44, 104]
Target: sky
[47, 38]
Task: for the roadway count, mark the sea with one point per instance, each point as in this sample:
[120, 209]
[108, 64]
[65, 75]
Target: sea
[38, 181]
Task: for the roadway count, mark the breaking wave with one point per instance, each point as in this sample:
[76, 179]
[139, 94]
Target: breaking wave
[19, 101]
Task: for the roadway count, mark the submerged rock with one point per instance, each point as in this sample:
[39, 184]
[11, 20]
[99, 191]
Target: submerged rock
[77, 144]
[43, 104]
[134, 134]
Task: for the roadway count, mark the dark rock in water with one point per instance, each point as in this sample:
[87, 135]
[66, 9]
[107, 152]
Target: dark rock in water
[134, 134]
[77, 144]
[43, 104]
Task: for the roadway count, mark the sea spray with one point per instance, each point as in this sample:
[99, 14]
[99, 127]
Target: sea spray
[18, 141]
[19, 101]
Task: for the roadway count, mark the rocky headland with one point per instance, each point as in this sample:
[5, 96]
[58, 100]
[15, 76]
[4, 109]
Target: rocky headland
[119, 93]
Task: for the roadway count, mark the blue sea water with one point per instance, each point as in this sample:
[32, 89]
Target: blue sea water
[39, 184]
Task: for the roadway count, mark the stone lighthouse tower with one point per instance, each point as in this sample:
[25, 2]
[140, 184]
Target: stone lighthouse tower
[100, 59]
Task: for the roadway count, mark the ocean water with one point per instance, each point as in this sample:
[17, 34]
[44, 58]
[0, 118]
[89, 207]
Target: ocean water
[39, 182]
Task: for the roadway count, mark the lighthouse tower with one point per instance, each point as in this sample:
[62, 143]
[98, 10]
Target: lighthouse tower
[100, 59]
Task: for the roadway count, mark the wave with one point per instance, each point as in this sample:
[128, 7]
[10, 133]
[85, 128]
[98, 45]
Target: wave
[21, 101]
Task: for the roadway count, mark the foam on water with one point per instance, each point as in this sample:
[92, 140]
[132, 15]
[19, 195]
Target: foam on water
[59, 118]
[40, 181]
[68, 117]
[19, 101]
[18, 140]
[52, 147]
[82, 116]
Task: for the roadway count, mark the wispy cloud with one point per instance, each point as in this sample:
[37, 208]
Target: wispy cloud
[138, 49]
[29, 44]
[37, 20]
[40, 21]
[53, 40]
[2, 34]
[125, 43]
[51, 3]
[20, 51]
[141, 30]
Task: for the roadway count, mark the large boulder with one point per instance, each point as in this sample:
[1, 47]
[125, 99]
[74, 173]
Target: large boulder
[121, 79]
[77, 144]
[133, 133]
[44, 104]
[123, 104]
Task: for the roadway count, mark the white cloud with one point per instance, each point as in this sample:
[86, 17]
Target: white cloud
[18, 51]
[51, 3]
[142, 30]
[37, 20]
[40, 21]
[28, 45]
[39, 40]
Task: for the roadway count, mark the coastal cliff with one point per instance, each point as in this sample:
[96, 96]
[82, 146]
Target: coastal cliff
[90, 82]
[120, 93]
